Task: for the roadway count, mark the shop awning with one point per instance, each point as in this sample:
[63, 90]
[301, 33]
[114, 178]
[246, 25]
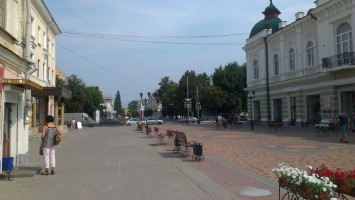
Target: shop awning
[24, 83]
[52, 91]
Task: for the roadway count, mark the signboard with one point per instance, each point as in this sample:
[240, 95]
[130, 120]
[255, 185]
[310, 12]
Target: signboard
[79, 125]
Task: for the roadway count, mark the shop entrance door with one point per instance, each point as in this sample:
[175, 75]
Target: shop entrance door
[7, 131]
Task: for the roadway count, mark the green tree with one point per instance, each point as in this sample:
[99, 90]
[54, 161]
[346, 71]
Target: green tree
[167, 95]
[204, 80]
[59, 82]
[190, 79]
[231, 79]
[76, 102]
[214, 99]
[93, 99]
[118, 105]
[132, 109]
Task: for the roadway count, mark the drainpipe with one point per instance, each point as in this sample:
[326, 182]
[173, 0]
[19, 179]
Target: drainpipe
[267, 79]
[28, 60]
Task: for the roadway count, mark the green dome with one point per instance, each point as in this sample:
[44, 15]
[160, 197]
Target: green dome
[271, 20]
[272, 23]
[271, 9]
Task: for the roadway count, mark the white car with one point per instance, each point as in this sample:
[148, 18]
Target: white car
[191, 120]
[134, 121]
[153, 120]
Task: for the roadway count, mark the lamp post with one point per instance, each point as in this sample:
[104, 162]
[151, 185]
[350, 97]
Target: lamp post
[150, 101]
[140, 107]
[250, 97]
[157, 102]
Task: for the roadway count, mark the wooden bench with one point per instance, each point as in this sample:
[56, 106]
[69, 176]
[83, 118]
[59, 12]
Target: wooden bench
[276, 125]
[181, 144]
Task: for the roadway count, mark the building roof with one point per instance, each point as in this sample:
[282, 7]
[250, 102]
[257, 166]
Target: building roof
[271, 20]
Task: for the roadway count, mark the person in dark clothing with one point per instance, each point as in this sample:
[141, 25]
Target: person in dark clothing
[343, 121]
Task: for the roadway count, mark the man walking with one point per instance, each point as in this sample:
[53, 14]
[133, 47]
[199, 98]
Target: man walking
[343, 121]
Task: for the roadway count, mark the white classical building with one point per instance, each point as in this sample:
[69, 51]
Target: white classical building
[304, 70]
[108, 112]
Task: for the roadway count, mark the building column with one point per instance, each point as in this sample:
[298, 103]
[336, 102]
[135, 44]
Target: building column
[62, 113]
[56, 111]
[34, 113]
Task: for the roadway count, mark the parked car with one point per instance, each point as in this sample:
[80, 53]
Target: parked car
[153, 120]
[191, 120]
[111, 122]
[134, 121]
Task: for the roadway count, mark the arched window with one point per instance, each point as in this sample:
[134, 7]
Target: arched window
[310, 53]
[256, 69]
[276, 65]
[291, 59]
[344, 38]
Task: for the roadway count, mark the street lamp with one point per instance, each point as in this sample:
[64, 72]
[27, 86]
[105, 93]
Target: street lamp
[250, 97]
[156, 96]
[150, 101]
[140, 111]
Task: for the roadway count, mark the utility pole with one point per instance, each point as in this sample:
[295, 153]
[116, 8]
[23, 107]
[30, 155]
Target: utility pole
[197, 104]
[187, 99]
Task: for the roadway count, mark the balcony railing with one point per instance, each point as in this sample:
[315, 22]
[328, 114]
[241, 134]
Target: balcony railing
[347, 58]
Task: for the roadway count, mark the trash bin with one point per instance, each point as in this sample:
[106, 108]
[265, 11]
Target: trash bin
[197, 150]
[7, 165]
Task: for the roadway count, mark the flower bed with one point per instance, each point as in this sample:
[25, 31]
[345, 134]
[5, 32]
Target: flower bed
[308, 185]
[345, 180]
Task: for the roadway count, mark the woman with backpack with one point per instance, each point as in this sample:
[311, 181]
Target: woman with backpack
[48, 138]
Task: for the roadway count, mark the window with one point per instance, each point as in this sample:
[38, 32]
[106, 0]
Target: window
[256, 69]
[53, 50]
[38, 64]
[33, 27]
[291, 58]
[310, 54]
[44, 40]
[48, 73]
[2, 13]
[276, 65]
[44, 70]
[49, 47]
[39, 36]
[344, 39]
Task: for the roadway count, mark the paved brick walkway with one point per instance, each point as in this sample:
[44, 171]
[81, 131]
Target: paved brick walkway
[240, 158]
[121, 163]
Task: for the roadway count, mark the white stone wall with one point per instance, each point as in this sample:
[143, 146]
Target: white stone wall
[304, 80]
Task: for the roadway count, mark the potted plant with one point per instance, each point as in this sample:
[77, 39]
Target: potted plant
[308, 185]
[345, 180]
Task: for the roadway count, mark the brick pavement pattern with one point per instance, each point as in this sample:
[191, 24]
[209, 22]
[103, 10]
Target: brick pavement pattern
[121, 163]
[113, 163]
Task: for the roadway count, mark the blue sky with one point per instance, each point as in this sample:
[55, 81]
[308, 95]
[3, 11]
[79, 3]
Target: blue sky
[129, 45]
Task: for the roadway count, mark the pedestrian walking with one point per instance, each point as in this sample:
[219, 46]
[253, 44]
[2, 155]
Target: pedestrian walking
[343, 121]
[73, 123]
[48, 138]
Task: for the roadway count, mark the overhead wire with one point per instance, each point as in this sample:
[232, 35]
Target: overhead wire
[132, 38]
[101, 67]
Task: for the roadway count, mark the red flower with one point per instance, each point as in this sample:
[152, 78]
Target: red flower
[345, 180]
